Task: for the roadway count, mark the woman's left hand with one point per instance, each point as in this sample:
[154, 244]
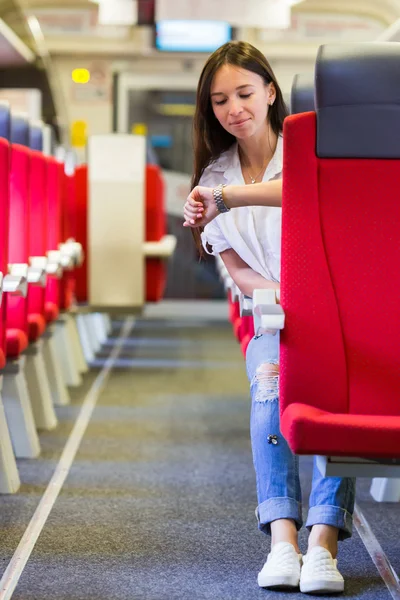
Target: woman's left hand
[200, 207]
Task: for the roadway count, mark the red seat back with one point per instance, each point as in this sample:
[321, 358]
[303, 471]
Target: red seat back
[54, 232]
[37, 225]
[18, 247]
[81, 224]
[68, 282]
[156, 272]
[4, 229]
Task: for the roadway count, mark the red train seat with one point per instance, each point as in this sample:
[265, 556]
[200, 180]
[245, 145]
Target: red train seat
[54, 213]
[4, 231]
[18, 250]
[81, 224]
[156, 273]
[37, 241]
[340, 284]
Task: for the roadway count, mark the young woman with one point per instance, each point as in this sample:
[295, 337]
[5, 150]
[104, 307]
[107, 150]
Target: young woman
[238, 140]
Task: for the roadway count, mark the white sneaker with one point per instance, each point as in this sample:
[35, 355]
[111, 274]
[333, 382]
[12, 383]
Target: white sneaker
[282, 568]
[319, 574]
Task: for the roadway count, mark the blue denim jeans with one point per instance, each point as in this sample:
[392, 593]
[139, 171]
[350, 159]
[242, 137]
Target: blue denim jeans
[277, 468]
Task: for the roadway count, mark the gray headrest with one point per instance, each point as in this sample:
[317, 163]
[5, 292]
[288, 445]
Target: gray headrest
[5, 121]
[302, 96]
[36, 137]
[19, 129]
[357, 97]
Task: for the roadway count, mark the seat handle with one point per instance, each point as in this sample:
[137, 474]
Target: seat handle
[269, 316]
[246, 305]
[54, 266]
[16, 285]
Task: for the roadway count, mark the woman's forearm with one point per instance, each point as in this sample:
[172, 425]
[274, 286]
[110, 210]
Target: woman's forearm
[267, 193]
[248, 280]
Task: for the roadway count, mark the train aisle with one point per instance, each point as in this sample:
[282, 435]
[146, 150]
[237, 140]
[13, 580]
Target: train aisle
[159, 501]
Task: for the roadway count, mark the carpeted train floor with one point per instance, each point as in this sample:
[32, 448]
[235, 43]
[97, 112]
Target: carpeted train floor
[159, 503]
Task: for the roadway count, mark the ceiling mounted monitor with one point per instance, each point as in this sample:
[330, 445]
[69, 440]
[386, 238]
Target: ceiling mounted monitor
[192, 36]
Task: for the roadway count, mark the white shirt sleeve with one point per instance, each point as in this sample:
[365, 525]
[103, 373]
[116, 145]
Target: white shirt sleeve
[212, 234]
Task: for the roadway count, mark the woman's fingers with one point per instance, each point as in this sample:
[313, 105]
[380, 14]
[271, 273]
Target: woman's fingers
[192, 212]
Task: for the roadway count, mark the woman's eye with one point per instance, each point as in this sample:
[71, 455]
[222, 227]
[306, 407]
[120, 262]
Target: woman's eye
[220, 102]
[245, 95]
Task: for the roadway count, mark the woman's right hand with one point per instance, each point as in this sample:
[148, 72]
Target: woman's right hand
[200, 207]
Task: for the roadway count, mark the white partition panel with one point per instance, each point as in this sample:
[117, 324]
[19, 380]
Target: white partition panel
[116, 220]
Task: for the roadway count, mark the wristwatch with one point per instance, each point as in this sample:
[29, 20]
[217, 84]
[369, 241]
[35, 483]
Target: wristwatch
[219, 199]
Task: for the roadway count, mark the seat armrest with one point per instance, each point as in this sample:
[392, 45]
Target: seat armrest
[72, 254]
[268, 314]
[246, 305]
[162, 249]
[54, 266]
[16, 285]
[37, 271]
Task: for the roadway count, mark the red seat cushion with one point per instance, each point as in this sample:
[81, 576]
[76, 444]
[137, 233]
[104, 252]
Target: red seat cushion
[36, 326]
[2, 359]
[51, 312]
[16, 342]
[322, 432]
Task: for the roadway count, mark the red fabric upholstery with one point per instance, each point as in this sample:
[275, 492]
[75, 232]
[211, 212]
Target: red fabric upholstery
[16, 342]
[156, 273]
[234, 310]
[81, 197]
[37, 227]
[156, 279]
[339, 373]
[36, 326]
[2, 359]
[248, 333]
[5, 155]
[51, 312]
[18, 250]
[68, 282]
[55, 178]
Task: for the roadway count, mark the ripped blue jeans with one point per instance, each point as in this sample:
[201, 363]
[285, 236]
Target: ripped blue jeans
[277, 468]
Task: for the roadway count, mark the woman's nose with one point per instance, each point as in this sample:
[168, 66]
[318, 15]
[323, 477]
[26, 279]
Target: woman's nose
[235, 108]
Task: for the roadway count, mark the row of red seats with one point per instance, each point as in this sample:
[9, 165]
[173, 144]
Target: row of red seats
[243, 326]
[36, 216]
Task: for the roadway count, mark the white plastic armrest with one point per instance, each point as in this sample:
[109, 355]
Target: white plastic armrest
[37, 271]
[72, 254]
[54, 266]
[162, 249]
[16, 285]
[246, 305]
[78, 252]
[268, 315]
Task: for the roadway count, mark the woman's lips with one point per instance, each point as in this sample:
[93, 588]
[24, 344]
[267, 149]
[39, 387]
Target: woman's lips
[238, 123]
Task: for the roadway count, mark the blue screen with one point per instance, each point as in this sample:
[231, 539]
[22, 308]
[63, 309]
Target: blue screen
[192, 36]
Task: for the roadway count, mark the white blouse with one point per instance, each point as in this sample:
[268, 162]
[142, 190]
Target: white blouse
[254, 232]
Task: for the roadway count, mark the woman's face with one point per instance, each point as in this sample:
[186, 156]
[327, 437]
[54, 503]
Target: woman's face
[240, 100]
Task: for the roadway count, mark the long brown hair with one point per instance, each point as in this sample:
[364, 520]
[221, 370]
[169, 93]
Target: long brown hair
[210, 139]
